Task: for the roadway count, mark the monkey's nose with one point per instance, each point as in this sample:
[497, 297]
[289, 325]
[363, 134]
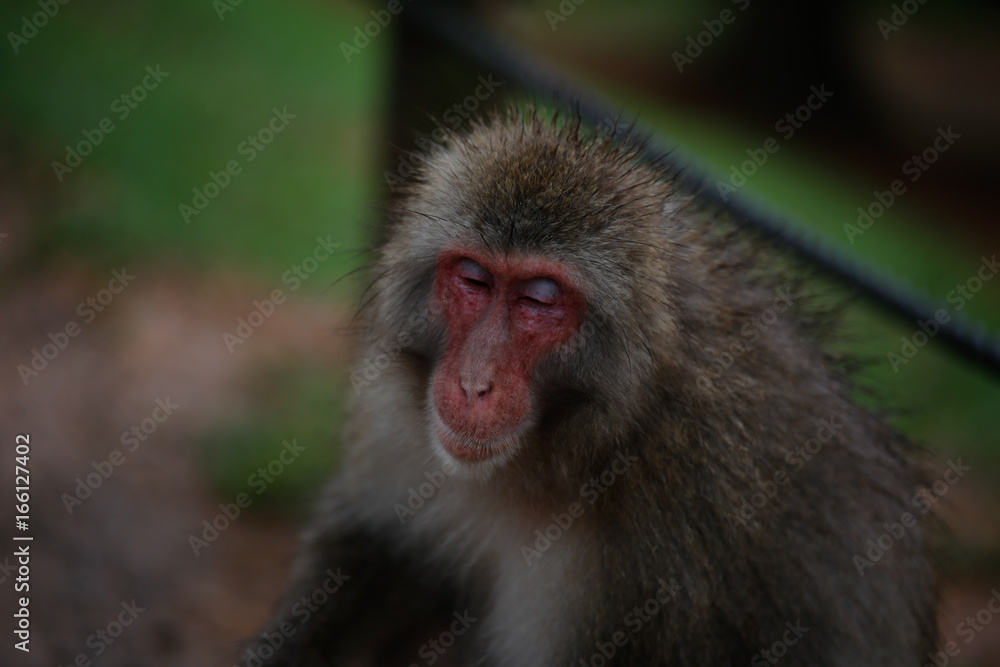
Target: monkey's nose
[475, 388]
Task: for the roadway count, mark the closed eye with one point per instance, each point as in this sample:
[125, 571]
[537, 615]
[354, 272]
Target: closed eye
[541, 291]
[473, 274]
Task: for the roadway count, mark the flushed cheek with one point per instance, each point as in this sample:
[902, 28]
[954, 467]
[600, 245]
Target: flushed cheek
[449, 399]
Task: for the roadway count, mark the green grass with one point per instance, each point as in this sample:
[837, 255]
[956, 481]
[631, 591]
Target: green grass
[299, 406]
[315, 179]
[225, 77]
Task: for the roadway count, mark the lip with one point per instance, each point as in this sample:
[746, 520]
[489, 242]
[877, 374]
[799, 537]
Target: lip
[464, 448]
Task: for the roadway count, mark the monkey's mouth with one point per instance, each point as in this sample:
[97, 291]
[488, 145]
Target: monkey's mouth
[467, 449]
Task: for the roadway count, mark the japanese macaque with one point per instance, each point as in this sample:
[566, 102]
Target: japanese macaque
[592, 427]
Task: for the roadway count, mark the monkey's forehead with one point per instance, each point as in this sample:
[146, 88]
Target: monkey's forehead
[532, 186]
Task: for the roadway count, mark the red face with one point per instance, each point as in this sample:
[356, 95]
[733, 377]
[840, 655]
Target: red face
[502, 316]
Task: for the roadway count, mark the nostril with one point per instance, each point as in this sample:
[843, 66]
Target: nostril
[475, 389]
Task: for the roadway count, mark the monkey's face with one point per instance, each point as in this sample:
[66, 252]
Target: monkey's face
[503, 315]
[537, 261]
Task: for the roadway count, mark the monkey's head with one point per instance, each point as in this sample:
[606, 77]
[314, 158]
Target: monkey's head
[524, 268]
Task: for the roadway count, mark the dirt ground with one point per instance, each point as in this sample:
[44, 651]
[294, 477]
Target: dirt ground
[124, 553]
[129, 540]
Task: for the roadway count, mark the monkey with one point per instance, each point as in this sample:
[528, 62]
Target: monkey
[599, 425]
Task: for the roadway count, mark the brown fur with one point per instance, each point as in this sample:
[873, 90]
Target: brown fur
[670, 291]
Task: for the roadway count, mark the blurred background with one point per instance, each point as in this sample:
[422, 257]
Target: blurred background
[186, 187]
